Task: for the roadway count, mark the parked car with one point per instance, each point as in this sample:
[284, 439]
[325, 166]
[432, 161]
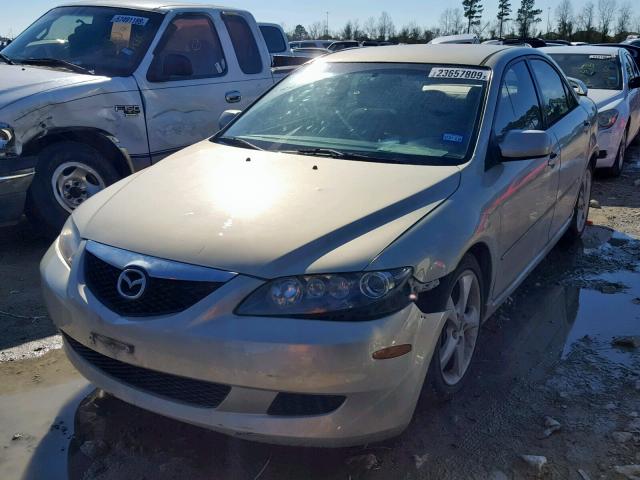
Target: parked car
[613, 80]
[633, 50]
[91, 93]
[275, 38]
[341, 45]
[632, 40]
[310, 52]
[292, 279]
[311, 44]
[464, 38]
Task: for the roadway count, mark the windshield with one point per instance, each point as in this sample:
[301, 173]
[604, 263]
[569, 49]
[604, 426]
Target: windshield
[599, 71]
[411, 113]
[106, 41]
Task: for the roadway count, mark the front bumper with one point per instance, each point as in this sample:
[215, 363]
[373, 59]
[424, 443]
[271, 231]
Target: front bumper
[609, 143]
[16, 175]
[257, 358]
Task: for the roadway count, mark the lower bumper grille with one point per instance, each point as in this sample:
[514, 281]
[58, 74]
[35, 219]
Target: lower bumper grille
[296, 404]
[190, 391]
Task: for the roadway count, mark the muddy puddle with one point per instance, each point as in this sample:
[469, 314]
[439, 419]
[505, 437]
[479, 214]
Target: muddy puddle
[547, 348]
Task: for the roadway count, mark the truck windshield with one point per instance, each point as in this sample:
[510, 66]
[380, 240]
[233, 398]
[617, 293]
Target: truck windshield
[101, 40]
[597, 71]
[385, 112]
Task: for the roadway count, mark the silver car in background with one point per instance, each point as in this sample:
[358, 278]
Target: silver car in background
[296, 278]
[613, 80]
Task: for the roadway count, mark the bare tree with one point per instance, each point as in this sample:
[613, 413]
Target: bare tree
[315, 30]
[386, 28]
[623, 22]
[370, 28]
[564, 14]
[606, 12]
[586, 21]
[347, 31]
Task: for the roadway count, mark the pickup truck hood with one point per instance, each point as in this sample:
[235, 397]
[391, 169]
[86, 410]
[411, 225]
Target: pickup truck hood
[603, 98]
[20, 81]
[265, 214]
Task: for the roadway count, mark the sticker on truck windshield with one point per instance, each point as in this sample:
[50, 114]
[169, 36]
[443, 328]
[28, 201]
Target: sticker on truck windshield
[461, 73]
[601, 57]
[130, 19]
[452, 137]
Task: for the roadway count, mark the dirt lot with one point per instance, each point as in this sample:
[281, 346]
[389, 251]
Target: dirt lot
[547, 382]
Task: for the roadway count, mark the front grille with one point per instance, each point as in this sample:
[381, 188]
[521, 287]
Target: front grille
[161, 296]
[193, 392]
[296, 404]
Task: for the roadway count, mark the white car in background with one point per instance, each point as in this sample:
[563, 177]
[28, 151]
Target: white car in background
[613, 80]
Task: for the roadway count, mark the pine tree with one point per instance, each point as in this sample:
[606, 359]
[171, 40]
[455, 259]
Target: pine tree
[473, 11]
[527, 16]
[504, 10]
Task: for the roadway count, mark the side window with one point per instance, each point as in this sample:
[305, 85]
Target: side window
[629, 66]
[518, 107]
[190, 49]
[273, 38]
[555, 103]
[244, 43]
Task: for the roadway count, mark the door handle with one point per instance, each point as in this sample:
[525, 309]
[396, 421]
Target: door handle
[586, 124]
[552, 159]
[233, 97]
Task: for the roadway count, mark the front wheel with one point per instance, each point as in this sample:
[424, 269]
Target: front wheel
[581, 209]
[67, 174]
[456, 346]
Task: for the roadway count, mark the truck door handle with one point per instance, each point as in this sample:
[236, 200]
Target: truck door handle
[552, 159]
[233, 97]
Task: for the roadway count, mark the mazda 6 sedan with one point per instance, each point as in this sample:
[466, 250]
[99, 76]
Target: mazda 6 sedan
[302, 276]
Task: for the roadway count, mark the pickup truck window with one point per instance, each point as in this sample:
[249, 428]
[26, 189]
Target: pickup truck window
[273, 38]
[102, 40]
[190, 49]
[385, 112]
[244, 43]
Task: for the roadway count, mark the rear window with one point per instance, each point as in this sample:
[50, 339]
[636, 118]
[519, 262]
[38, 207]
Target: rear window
[244, 43]
[273, 39]
[598, 71]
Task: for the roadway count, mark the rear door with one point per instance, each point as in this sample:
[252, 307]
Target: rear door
[528, 187]
[569, 124]
[193, 75]
[630, 72]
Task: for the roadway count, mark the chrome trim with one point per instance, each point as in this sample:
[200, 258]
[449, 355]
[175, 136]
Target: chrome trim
[17, 176]
[157, 267]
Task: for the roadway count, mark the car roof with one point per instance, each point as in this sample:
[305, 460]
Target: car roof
[584, 49]
[452, 54]
[150, 5]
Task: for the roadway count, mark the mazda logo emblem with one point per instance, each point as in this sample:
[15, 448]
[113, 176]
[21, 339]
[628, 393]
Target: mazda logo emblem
[131, 283]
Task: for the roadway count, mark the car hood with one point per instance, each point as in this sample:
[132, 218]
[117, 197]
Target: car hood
[603, 97]
[265, 214]
[20, 81]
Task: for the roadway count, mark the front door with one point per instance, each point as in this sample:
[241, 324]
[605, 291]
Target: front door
[528, 187]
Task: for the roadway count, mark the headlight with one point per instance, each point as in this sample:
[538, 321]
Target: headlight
[6, 138]
[68, 241]
[608, 118]
[340, 296]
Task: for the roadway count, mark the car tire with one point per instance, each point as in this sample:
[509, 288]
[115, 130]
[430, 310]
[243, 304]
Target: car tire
[616, 169]
[453, 355]
[581, 209]
[67, 174]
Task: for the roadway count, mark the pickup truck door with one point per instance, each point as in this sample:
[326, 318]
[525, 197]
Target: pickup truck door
[203, 63]
[525, 189]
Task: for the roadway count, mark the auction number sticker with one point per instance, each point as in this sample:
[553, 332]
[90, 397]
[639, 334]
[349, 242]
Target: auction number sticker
[130, 19]
[461, 73]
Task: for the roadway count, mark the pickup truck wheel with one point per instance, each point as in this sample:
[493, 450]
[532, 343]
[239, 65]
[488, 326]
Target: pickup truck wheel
[67, 174]
[581, 209]
[455, 349]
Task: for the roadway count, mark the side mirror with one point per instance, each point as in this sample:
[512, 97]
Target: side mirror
[176, 65]
[578, 86]
[525, 144]
[634, 83]
[226, 117]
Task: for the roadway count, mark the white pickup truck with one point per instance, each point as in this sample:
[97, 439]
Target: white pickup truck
[93, 92]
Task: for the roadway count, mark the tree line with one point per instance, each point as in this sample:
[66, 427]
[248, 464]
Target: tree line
[596, 21]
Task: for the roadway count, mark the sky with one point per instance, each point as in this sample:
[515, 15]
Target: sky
[292, 12]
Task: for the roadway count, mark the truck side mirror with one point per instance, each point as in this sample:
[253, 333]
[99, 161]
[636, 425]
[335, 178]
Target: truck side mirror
[176, 65]
[226, 117]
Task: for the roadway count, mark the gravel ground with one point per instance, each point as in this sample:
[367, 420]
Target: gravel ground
[547, 383]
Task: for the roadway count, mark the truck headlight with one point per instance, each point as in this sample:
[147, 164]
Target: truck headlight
[7, 138]
[607, 118]
[340, 296]
[68, 241]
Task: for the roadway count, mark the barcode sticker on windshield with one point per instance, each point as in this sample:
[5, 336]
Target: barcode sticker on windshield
[461, 73]
[601, 57]
[130, 19]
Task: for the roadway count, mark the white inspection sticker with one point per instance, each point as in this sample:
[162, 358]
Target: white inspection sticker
[130, 19]
[461, 73]
[601, 57]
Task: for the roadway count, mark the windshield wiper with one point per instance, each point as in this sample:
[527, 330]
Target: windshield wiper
[238, 142]
[56, 62]
[332, 153]
[6, 59]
